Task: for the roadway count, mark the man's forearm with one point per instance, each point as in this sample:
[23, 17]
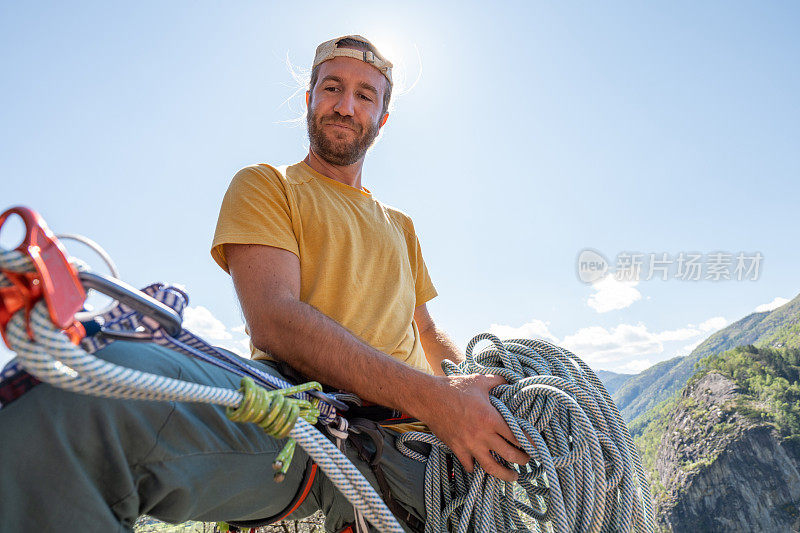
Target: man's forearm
[319, 347]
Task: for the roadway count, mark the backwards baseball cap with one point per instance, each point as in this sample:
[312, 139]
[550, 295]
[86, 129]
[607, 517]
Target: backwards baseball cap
[330, 49]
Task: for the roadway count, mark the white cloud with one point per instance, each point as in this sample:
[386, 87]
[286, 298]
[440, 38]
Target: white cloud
[774, 304]
[240, 346]
[713, 324]
[613, 294]
[633, 347]
[635, 366]
[689, 348]
[6, 355]
[535, 329]
[623, 348]
[680, 334]
[202, 322]
[691, 331]
[601, 347]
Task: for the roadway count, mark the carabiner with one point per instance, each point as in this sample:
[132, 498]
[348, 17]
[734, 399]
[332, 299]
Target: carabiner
[126, 294]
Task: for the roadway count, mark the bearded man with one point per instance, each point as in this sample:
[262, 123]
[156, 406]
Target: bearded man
[333, 285]
[332, 281]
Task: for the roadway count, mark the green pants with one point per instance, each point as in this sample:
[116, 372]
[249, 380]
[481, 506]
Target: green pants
[70, 462]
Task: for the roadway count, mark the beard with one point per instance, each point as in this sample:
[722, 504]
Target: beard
[334, 150]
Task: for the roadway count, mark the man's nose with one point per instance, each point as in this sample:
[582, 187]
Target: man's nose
[345, 106]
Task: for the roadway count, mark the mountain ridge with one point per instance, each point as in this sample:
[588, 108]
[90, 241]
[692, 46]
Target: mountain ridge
[644, 391]
[612, 380]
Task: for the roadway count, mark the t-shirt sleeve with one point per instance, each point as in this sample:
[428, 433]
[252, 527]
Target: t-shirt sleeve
[255, 210]
[423, 286]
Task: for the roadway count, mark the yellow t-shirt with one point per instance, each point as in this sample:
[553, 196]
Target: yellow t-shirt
[360, 260]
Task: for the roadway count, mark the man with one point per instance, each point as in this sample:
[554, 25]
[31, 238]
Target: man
[333, 284]
[361, 266]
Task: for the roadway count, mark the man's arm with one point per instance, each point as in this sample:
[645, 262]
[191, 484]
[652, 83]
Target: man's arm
[435, 342]
[456, 408]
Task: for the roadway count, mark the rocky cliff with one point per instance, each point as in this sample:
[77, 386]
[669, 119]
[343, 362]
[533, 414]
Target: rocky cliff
[718, 468]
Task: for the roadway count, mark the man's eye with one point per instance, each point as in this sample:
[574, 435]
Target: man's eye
[330, 89]
[365, 97]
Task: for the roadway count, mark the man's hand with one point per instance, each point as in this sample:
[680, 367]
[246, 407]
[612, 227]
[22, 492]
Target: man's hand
[462, 417]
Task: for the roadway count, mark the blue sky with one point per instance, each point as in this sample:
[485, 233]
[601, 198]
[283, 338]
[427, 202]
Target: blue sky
[533, 131]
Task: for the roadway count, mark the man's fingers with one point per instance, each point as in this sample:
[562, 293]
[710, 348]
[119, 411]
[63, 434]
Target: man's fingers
[502, 428]
[465, 458]
[490, 464]
[475, 429]
[508, 452]
[492, 381]
[495, 469]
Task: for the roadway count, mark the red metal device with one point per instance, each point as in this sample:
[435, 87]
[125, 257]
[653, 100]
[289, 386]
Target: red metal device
[54, 279]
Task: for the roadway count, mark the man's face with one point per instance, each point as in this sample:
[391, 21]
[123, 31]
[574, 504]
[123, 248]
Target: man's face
[344, 110]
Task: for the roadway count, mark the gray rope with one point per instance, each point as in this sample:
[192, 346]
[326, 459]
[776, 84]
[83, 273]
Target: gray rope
[584, 473]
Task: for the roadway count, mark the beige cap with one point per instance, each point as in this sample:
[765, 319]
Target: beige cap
[330, 49]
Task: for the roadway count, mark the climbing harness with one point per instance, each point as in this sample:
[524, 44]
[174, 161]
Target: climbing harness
[584, 473]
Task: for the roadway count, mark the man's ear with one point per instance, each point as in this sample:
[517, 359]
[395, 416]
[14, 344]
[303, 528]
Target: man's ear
[383, 120]
[308, 98]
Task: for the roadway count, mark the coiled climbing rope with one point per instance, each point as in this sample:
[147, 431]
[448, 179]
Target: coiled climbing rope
[584, 473]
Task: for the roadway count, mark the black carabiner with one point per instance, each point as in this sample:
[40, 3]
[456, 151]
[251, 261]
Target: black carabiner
[126, 294]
